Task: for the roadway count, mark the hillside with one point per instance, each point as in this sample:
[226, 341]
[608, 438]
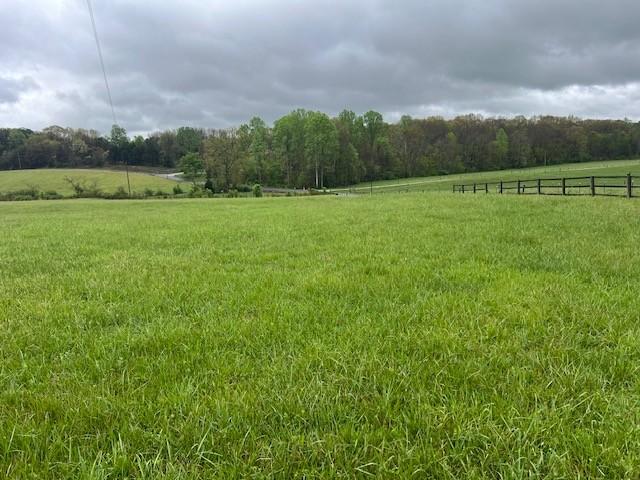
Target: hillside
[445, 182]
[54, 180]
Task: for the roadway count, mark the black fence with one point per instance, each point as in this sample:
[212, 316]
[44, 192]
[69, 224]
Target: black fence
[608, 185]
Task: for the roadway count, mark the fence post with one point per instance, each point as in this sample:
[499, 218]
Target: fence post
[486, 188]
[454, 188]
[462, 187]
[593, 185]
[500, 186]
[629, 186]
[518, 187]
[539, 187]
[564, 186]
[474, 188]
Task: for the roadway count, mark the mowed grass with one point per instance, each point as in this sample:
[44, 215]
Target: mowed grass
[53, 179]
[420, 335]
[446, 182]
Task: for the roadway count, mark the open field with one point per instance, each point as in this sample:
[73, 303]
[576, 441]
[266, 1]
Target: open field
[419, 335]
[54, 179]
[446, 182]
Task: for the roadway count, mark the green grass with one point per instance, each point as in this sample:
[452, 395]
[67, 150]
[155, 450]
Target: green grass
[420, 335]
[54, 179]
[446, 182]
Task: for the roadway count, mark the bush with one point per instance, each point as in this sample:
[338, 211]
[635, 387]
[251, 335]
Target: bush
[30, 193]
[51, 195]
[257, 190]
[196, 191]
[119, 193]
[78, 186]
[177, 190]
[148, 192]
[233, 193]
[160, 193]
[209, 185]
[21, 195]
[93, 191]
[82, 190]
[31, 190]
[243, 188]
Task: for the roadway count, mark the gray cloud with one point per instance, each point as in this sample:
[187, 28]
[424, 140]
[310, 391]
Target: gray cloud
[214, 64]
[11, 88]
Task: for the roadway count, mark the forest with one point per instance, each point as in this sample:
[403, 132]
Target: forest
[310, 149]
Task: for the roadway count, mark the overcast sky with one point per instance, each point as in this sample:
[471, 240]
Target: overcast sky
[216, 63]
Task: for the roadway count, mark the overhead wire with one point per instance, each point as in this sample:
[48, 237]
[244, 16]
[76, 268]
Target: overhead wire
[106, 81]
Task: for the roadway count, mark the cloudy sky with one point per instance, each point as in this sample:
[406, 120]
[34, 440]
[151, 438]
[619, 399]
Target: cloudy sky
[215, 63]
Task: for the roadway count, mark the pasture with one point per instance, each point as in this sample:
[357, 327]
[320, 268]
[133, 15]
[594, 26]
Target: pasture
[446, 182]
[419, 335]
[53, 179]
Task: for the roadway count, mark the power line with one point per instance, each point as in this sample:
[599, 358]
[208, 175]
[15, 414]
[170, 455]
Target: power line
[106, 80]
[104, 70]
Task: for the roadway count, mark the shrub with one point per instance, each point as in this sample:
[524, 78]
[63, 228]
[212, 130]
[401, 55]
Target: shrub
[21, 198]
[148, 192]
[243, 188]
[51, 195]
[233, 193]
[196, 191]
[34, 194]
[119, 193]
[93, 191]
[209, 185]
[257, 190]
[82, 190]
[177, 190]
[78, 186]
[21, 195]
[32, 190]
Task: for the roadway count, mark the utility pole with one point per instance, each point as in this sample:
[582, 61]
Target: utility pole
[126, 167]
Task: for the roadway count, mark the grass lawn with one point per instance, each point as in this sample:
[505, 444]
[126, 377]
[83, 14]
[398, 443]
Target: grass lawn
[419, 335]
[446, 182]
[54, 179]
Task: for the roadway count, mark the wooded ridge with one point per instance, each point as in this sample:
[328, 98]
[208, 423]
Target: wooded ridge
[311, 149]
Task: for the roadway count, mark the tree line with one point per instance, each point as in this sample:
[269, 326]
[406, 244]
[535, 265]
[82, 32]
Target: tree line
[310, 149]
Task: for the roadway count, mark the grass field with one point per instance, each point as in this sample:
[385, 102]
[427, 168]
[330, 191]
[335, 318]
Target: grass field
[54, 180]
[419, 335]
[446, 182]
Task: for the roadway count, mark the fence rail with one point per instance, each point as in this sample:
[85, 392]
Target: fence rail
[607, 185]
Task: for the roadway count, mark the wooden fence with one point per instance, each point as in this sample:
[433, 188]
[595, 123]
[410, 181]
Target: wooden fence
[609, 185]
